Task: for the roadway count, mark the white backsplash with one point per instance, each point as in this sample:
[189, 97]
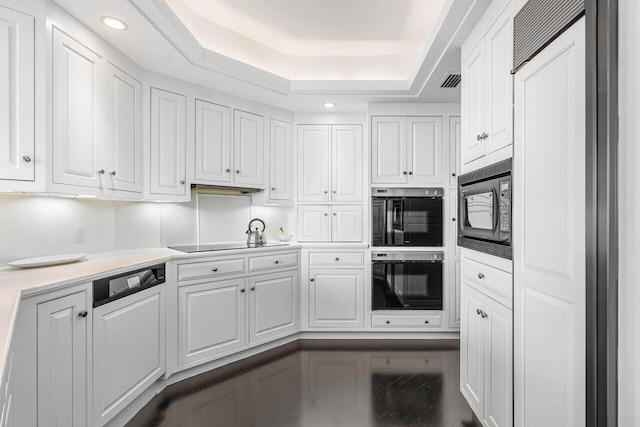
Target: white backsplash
[35, 226]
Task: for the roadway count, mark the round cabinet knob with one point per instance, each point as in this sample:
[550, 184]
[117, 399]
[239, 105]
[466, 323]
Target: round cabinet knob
[453, 219]
[453, 174]
[426, 322]
[335, 214]
[83, 313]
[242, 290]
[404, 172]
[337, 259]
[312, 280]
[183, 182]
[253, 288]
[478, 311]
[26, 159]
[273, 188]
[410, 173]
[326, 214]
[277, 262]
[335, 191]
[214, 269]
[227, 170]
[325, 191]
[113, 173]
[480, 276]
[387, 322]
[101, 171]
[238, 171]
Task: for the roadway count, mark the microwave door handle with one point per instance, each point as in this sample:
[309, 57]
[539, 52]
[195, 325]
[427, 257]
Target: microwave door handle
[496, 210]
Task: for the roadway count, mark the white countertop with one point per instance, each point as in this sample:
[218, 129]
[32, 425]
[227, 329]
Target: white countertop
[17, 283]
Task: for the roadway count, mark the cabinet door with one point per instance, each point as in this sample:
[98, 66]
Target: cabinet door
[473, 105]
[498, 365]
[77, 103]
[213, 143]
[128, 350]
[280, 170]
[313, 223]
[211, 320]
[314, 149]
[273, 305]
[17, 103]
[499, 96]
[389, 150]
[549, 265]
[123, 145]
[336, 298]
[168, 143]
[424, 144]
[346, 223]
[455, 139]
[63, 360]
[472, 344]
[346, 164]
[454, 305]
[248, 148]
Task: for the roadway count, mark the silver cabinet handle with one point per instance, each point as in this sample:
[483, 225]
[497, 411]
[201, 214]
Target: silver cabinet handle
[101, 171]
[478, 311]
[214, 269]
[183, 182]
[478, 137]
[83, 313]
[480, 276]
[26, 159]
[484, 315]
[113, 173]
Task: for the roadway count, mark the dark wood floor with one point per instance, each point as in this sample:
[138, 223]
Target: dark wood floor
[326, 383]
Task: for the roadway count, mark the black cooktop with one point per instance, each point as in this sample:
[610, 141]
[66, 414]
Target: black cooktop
[221, 247]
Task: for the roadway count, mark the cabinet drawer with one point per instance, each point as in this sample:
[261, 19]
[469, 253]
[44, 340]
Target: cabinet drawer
[336, 258]
[406, 320]
[490, 277]
[211, 269]
[268, 262]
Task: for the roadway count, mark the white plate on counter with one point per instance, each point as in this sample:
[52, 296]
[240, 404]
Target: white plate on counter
[44, 261]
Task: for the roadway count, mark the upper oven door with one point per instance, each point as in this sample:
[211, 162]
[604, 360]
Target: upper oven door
[479, 212]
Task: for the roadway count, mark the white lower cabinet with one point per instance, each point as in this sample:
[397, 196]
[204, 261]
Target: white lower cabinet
[486, 357]
[273, 305]
[336, 298]
[63, 361]
[337, 223]
[128, 350]
[211, 320]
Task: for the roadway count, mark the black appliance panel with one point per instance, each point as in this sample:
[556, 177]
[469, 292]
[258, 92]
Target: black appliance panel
[119, 286]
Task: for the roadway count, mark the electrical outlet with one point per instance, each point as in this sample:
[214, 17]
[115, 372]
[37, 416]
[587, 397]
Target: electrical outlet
[80, 231]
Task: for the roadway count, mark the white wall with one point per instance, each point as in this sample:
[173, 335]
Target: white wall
[629, 215]
[35, 226]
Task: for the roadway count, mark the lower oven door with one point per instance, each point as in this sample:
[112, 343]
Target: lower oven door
[407, 285]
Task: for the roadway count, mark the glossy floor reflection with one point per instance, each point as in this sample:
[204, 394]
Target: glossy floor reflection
[324, 383]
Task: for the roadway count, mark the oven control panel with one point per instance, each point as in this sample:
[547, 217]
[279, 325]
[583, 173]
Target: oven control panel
[505, 205]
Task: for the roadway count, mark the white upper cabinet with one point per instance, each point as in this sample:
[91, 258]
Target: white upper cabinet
[388, 151]
[314, 148]
[248, 148]
[168, 144]
[424, 149]
[77, 113]
[17, 120]
[123, 142]
[314, 224]
[330, 163]
[280, 171]
[213, 159]
[406, 150]
[487, 94]
[346, 165]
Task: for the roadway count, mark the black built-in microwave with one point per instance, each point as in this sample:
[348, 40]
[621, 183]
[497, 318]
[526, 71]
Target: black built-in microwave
[407, 216]
[484, 210]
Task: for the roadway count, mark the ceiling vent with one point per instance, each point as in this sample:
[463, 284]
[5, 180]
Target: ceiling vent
[451, 81]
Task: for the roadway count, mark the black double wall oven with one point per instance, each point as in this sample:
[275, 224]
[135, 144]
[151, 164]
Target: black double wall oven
[406, 265]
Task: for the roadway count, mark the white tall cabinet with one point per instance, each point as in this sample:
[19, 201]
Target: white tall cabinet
[549, 257]
[17, 103]
[280, 161]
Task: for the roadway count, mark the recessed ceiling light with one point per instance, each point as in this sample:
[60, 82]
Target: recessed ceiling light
[114, 23]
[329, 104]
